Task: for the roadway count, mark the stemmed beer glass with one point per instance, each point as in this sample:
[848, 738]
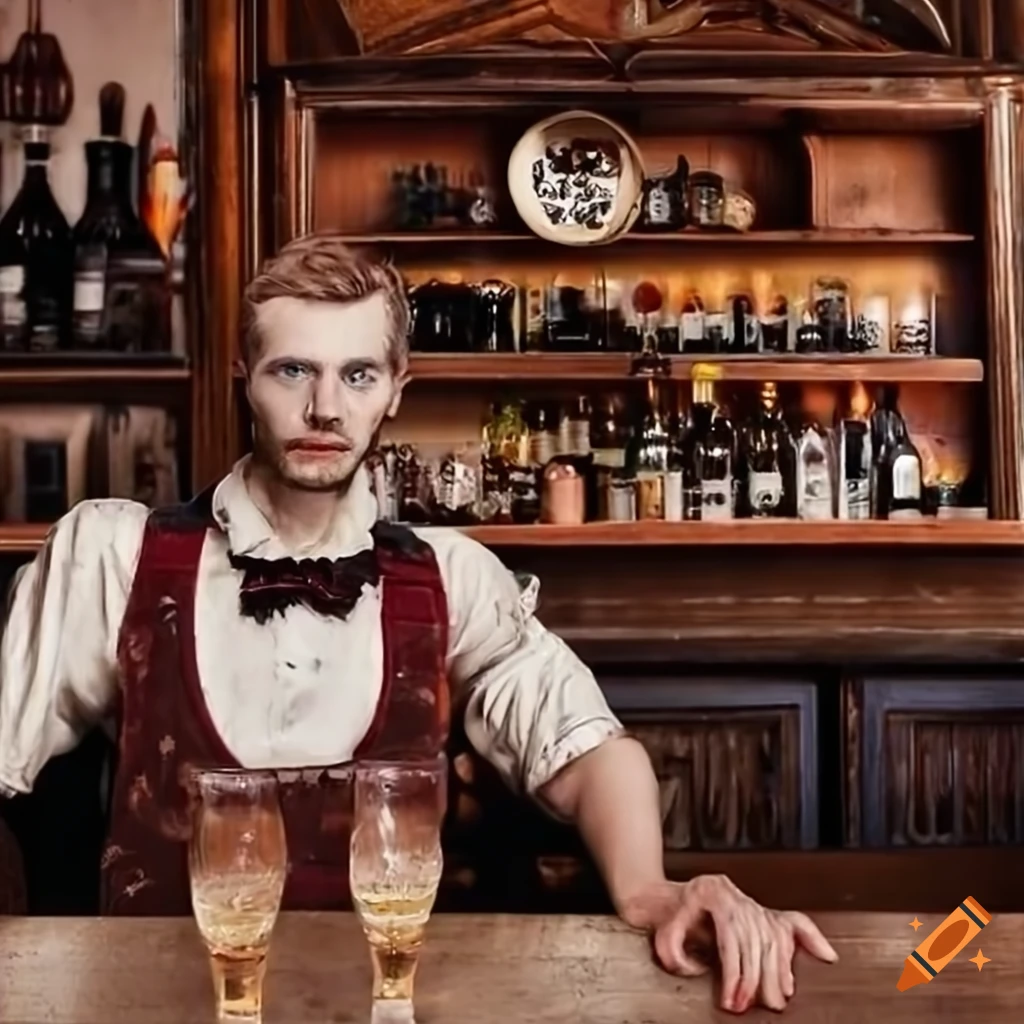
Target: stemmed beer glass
[238, 861]
[395, 869]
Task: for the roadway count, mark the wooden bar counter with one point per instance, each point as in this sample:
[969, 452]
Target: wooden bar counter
[484, 969]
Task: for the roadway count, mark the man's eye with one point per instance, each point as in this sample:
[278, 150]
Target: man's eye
[360, 378]
[293, 371]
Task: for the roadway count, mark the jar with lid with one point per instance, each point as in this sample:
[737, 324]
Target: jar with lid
[707, 199]
[831, 303]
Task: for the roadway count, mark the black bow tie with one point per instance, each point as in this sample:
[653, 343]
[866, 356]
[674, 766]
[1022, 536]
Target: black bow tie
[325, 586]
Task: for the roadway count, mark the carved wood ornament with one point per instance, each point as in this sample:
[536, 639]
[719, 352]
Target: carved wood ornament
[445, 26]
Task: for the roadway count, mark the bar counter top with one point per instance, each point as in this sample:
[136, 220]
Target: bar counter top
[486, 969]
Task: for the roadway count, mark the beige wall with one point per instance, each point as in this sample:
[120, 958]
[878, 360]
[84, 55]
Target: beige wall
[128, 41]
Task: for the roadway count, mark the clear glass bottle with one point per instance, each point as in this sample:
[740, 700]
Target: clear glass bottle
[769, 460]
[35, 260]
[647, 458]
[815, 473]
[855, 459]
[608, 449]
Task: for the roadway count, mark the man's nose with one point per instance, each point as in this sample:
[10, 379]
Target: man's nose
[326, 404]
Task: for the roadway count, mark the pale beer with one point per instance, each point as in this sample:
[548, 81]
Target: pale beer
[394, 920]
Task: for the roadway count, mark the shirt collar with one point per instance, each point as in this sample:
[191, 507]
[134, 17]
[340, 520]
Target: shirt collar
[251, 535]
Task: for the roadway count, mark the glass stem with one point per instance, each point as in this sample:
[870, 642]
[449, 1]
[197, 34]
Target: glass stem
[394, 971]
[238, 984]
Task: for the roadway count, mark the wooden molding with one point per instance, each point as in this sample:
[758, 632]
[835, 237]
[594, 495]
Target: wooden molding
[1004, 236]
[219, 40]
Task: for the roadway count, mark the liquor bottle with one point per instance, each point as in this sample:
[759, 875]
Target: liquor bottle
[769, 460]
[691, 324]
[815, 473]
[884, 433]
[855, 459]
[608, 448]
[121, 299]
[35, 259]
[647, 458]
[707, 458]
[743, 329]
[898, 492]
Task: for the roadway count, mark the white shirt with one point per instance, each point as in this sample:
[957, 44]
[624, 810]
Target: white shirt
[302, 688]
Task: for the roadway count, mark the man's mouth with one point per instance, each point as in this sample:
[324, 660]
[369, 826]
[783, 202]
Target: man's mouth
[319, 447]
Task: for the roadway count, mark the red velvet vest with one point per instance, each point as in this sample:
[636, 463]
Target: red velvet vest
[166, 730]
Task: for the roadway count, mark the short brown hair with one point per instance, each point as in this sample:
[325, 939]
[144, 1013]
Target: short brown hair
[322, 268]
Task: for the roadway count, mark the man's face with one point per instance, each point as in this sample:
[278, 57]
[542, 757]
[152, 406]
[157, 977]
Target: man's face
[320, 387]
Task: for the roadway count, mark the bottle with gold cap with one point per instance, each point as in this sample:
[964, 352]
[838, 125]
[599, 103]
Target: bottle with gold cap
[707, 455]
[769, 460]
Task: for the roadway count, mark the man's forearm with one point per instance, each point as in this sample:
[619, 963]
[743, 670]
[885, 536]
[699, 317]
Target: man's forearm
[612, 796]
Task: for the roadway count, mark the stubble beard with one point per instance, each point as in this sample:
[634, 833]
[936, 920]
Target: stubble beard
[336, 476]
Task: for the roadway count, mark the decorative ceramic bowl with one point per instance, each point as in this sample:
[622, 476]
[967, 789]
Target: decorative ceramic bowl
[576, 179]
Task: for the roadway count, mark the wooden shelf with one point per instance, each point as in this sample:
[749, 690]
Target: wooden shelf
[751, 532]
[22, 538]
[91, 374]
[616, 366]
[865, 236]
[27, 538]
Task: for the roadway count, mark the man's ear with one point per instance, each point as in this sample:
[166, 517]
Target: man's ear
[401, 379]
[242, 370]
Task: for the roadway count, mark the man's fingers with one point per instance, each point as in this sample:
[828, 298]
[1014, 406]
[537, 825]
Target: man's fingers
[771, 976]
[787, 950]
[752, 944]
[736, 930]
[670, 948]
[728, 955]
[809, 936]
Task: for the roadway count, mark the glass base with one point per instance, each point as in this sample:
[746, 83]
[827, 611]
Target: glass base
[392, 1011]
[238, 985]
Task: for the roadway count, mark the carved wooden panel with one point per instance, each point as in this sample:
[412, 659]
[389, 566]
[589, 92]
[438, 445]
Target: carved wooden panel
[942, 763]
[736, 762]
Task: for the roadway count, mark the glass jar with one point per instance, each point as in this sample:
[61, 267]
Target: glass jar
[707, 199]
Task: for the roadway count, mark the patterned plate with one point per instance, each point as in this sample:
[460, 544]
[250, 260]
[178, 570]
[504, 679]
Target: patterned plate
[576, 179]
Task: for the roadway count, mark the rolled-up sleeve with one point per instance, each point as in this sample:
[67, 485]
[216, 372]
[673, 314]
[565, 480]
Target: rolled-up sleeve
[531, 706]
[58, 654]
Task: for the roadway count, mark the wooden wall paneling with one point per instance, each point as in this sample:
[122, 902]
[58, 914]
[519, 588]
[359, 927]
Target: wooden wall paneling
[851, 698]
[356, 156]
[942, 762]
[1004, 244]
[1009, 29]
[288, 128]
[220, 214]
[918, 182]
[737, 762]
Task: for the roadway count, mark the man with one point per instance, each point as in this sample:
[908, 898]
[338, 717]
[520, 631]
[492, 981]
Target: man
[275, 623]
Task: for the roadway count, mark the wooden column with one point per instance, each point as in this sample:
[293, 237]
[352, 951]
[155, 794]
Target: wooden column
[1004, 240]
[218, 26]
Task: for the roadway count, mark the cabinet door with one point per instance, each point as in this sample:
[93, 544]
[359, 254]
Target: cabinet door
[737, 762]
[940, 762]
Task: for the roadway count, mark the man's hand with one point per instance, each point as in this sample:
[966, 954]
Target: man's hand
[755, 946]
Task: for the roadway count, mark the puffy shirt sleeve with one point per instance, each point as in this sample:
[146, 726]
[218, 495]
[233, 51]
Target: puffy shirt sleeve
[58, 653]
[532, 707]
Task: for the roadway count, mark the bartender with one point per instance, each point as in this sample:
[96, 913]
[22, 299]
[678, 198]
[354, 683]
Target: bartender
[274, 622]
